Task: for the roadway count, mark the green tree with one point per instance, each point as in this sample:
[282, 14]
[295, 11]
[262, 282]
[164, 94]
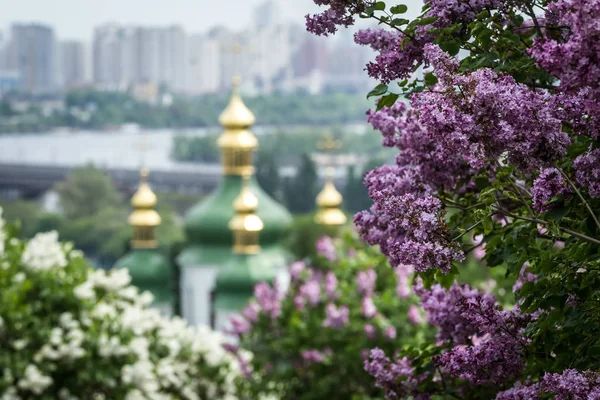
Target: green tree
[25, 211]
[300, 191]
[267, 173]
[86, 191]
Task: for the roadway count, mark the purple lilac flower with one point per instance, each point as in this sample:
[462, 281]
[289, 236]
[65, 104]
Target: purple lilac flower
[366, 281]
[335, 317]
[524, 277]
[390, 333]
[268, 298]
[296, 270]
[414, 315]
[396, 58]
[495, 355]
[340, 12]
[443, 309]
[331, 283]
[387, 374]
[311, 291]
[368, 307]
[574, 57]
[326, 248]
[312, 357]
[568, 385]
[549, 184]
[370, 331]
[239, 325]
[299, 302]
[587, 172]
[410, 230]
[251, 311]
[491, 115]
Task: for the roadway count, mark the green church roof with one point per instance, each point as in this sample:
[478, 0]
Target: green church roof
[207, 224]
[151, 271]
[236, 280]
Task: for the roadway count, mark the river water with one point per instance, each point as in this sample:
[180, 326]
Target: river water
[127, 148]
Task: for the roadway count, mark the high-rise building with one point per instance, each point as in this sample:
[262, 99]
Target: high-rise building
[108, 56]
[72, 63]
[173, 57]
[203, 73]
[33, 52]
[348, 75]
[270, 47]
[132, 55]
[267, 14]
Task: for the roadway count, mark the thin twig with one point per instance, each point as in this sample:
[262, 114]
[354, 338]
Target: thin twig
[587, 205]
[469, 229]
[541, 222]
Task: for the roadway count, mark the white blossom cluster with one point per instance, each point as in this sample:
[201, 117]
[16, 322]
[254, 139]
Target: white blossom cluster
[95, 328]
[44, 252]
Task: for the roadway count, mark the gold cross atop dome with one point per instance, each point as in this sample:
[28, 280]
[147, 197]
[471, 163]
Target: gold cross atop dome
[144, 217]
[246, 225]
[329, 199]
[329, 143]
[237, 142]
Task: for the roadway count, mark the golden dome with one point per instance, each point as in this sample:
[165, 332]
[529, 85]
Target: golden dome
[236, 115]
[329, 196]
[246, 202]
[330, 217]
[143, 202]
[246, 224]
[328, 203]
[144, 197]
[237, 143]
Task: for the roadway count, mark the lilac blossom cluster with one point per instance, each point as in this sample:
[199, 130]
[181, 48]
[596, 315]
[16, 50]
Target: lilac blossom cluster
[448, 131]
[568, 385]
[444, 309]
[524, 277]
[397, 58]
[549, 184]
[326, 248]
[489, 115]
[396, 377]
[487, 343]
[587, 172]
[571, 54]
[573, 58]
[450, 12]
[340, 12]
[410, 229]
[495, 355]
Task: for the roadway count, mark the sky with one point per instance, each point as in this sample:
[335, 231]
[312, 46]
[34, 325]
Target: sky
[75, 19]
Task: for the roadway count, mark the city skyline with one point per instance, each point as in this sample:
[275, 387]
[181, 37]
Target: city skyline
[75, 19]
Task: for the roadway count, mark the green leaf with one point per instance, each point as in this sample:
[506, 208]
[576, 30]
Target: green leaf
[400, 21]
[387, 101]
[399, 9]
[430, 79]
[380, 6]
[482, 182]
[426, 21]
[378, 91]
[450, 46]
[558, 213]
[517, 20]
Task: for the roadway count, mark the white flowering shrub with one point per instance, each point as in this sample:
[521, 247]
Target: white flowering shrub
[68, 332]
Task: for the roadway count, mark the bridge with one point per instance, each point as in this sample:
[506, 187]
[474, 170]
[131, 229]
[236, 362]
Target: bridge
[31, 181]
[31, 164]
